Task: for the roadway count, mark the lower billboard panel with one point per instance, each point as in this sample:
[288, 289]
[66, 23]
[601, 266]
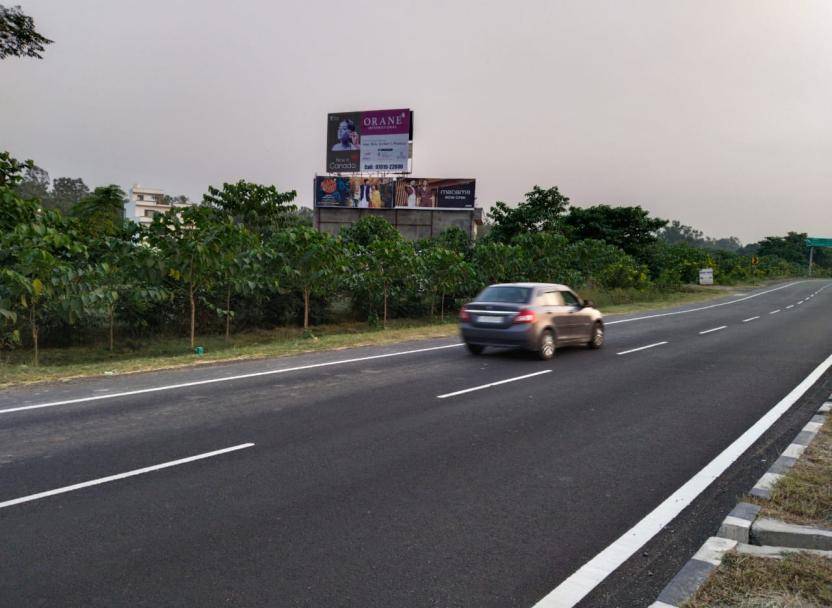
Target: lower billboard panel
[356, 192]
[385, 193]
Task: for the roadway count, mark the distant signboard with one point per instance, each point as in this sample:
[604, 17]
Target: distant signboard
[354, 192]
[370, 142]
[435, 193]
[706, 276]
[818, 242]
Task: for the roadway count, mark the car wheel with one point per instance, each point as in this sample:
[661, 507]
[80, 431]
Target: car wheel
[546, 350]
[474, 349]
[597, 339]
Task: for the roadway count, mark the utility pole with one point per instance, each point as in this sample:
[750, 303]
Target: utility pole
[811, 257]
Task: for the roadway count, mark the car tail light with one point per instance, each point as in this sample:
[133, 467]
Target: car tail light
[464, 316]
[525, 316]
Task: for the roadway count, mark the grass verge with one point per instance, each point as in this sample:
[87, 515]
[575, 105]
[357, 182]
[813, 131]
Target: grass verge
[804, 494]
[799, 580]
[166, 352]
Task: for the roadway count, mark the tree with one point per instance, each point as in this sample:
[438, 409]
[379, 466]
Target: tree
[18, 37]
[791, 247]
[190, 244]
[446, 272]
[102, 212]
[36, 269]
[497, 262]
[628, 228]
[541, 211]
[66, 193]
[238, 267]
[369, 229]
[259, 208]
[34, 185]
[312, 262]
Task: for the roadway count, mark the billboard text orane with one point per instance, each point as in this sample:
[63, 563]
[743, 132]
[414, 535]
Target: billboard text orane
[372, 141]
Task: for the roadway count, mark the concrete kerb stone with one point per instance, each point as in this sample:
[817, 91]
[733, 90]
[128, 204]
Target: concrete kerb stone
[694, 573]
[777, 552]
[781, 466]
[737, 526]
[825, 408]
[776, 533]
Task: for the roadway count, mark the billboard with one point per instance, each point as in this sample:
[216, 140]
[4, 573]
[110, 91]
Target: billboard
[420, 193]
[372, 141]
[354, 192]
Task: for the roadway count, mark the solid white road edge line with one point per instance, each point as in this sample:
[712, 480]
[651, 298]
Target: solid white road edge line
[632, 350]
[707, 331]
[133, 473]
[750, 319]
[490, 384]
[591, 574]
[223, 379]
[682, 312]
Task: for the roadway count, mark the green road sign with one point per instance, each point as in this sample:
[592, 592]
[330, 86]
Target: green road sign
[818, 242]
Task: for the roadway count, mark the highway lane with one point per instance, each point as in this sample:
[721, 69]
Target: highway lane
[363, 488]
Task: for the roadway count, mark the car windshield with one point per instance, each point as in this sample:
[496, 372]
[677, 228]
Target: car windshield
[505, 293]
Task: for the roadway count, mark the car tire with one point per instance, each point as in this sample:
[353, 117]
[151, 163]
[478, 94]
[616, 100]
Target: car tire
[474, 349]
[597, 339]
[547, 345]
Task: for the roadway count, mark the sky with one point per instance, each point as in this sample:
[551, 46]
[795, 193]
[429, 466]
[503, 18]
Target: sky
[717, 113]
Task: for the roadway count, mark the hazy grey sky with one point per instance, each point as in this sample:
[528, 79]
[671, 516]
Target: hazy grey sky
[714, 112]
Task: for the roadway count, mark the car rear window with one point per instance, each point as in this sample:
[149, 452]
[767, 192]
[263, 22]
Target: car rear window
[505, 293]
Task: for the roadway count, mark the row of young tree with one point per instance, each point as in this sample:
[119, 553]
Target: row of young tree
[247, 257]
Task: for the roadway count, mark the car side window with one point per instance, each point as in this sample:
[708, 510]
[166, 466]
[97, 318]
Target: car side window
[552, 298]
[570, 298]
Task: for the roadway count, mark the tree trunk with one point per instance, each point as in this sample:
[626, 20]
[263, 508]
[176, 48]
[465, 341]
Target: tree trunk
[384, 322]
[432, 304]
[193, 312]
[228, 313]
[34, 331]
[305, 308]
[111, 316]
[442, 306]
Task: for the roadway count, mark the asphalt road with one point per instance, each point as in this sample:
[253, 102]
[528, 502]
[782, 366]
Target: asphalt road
[364, 488]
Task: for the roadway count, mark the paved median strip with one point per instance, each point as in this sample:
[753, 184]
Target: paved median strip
[490, 384]
[633, 350]
[707, 331]
[133, 473]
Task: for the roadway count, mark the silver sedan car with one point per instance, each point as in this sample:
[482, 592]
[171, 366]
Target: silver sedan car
[535, 316]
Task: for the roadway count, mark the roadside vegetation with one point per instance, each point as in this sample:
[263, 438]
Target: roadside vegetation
[246, 262]
[798, 580]
[804, 494]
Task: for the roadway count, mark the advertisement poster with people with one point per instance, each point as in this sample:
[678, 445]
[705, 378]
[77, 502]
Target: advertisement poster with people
[435, 193]
[354, 192]
[373, 141]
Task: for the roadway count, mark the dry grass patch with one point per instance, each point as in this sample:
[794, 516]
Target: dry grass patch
[799, 580]
[804, 494]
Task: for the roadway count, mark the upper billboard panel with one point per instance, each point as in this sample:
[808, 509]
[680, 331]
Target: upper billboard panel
[375, 141]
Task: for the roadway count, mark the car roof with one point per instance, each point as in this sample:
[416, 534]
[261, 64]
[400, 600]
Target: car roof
[534, 285]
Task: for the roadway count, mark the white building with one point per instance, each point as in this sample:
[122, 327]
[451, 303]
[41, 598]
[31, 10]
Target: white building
[143, 203]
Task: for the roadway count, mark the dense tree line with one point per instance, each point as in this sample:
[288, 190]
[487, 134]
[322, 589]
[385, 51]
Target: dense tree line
[248, 257]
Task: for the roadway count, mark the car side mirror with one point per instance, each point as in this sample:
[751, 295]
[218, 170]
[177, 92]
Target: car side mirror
[589, 304]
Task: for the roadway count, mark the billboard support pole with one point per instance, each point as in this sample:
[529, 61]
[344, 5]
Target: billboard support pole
[811, 257]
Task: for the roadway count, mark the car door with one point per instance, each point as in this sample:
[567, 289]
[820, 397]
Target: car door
[580, 320]
[559, 314]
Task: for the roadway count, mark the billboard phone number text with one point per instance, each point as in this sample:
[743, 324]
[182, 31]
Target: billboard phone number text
[399, 167]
